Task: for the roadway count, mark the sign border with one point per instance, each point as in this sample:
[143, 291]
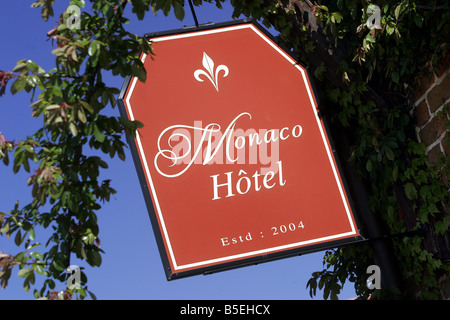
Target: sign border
[221, 266]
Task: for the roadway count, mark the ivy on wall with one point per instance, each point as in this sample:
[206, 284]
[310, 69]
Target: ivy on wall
[385, 62]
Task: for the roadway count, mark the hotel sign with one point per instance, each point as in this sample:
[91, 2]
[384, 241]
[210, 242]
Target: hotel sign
[234, 160]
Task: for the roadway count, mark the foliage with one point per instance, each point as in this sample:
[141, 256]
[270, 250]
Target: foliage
[70, 99]
[385, 152]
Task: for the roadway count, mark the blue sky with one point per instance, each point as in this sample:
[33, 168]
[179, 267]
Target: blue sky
[131, 267]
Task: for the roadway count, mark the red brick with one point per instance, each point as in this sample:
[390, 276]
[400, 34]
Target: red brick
[433, 154]
[432, 130]
[421, 113]
[423, 85]
[439, 94]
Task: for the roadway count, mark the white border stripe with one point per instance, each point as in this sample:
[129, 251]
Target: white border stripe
[263, 251]
[200, 33]
[325, 142]
[314, 107]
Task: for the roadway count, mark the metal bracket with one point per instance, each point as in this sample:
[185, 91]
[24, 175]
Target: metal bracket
[419, 232]
[193, 13]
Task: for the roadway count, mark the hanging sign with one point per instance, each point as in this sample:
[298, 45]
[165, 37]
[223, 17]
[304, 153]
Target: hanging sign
[234, 160]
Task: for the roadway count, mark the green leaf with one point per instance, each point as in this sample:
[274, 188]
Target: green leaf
[33, 67]
[19, 85]
[389, 29]
[390, 154]
[418, 19]
[391, 212]
[29, 148]
[37, 255]
[87, 106]
[81, 292]
[31, 235]
[98, 134]
[93, 48]
[23, 273]
[79, 3]
[5, 228]
[18, 238]
[73, 129]
[397, 11]
[20, 67]
[139, 72]
[81, 116]
[33, 246]
[139, 8]
[179, 10]
[51, 283]
[94, 258]
[138, 124]
[47, 10]
[395, 173]
[410, 191]
[369, 165]
[442, 226]
[166, 8]
[57, 266]
[395, 77]
[40, 270]
[92, 295]
[337, 17]
[52, 107]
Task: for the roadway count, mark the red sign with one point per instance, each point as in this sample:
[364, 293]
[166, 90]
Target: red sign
[234, 158]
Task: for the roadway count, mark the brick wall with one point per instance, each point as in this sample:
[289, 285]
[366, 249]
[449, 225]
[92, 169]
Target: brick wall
[431, 111]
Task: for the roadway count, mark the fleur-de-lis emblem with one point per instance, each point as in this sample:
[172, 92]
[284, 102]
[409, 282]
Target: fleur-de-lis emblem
[212, 75]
